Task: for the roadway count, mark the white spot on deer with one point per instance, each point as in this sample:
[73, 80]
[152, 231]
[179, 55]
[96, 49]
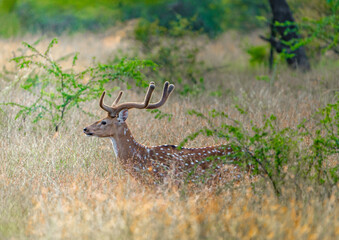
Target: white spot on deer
[161, 149]
[208, 152]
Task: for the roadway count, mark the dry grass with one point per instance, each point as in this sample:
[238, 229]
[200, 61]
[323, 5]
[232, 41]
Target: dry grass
[71, 187]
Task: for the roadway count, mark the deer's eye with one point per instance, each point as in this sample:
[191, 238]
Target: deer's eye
[103, 122]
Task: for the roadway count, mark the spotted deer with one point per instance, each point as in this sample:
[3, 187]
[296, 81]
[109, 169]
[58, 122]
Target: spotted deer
[155, 164]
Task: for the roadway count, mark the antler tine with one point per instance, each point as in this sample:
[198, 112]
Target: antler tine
[129, 105]
[104, 106]
[168, 89]
[117, 99]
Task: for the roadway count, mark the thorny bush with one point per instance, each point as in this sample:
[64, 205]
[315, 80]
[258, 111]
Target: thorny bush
[305, 154]
[57, 90]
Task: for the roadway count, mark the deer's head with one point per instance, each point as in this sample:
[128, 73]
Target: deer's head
[114, 123]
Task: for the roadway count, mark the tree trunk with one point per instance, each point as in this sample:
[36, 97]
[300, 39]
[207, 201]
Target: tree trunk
[282, 14]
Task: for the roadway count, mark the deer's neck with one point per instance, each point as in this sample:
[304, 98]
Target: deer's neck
[124, 144]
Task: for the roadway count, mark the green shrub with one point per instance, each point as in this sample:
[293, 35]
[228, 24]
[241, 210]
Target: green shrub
[56, 91]
[321, 32]
[258, 55]
[282, 155]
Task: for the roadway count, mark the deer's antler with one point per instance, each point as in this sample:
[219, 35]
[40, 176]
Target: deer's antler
[116, 108]
[168, 89]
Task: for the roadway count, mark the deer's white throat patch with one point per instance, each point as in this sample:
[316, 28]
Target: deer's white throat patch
[115, 146]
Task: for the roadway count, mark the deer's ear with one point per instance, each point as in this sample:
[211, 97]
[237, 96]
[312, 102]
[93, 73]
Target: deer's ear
[123, 114]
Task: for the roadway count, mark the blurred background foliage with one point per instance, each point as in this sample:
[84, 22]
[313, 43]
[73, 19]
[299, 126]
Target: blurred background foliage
[213, 16]
[318, 20]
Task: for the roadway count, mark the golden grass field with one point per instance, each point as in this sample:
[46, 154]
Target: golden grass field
[68, 186]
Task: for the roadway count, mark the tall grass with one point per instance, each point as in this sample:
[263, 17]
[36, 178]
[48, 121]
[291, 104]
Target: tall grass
[68, 186]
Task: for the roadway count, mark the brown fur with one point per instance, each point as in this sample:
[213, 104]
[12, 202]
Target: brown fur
[158, 164]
